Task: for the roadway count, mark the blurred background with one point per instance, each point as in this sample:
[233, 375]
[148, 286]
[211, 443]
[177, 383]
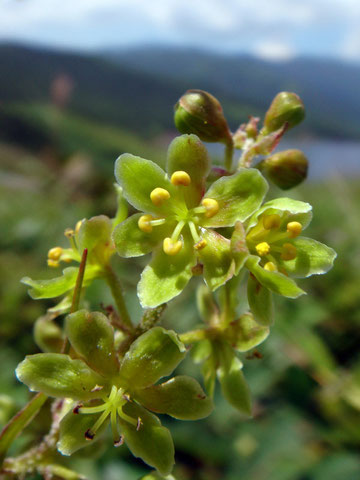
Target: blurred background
[82, 82]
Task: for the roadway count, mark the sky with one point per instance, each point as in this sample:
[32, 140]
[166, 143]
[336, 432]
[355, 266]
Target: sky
[270, 29]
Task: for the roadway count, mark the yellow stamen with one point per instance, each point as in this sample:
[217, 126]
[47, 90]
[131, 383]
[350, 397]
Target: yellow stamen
[170, 247]
[78, 226]
[201, 244]
[159, 195]
[270, 267]
[289, 252]
[211, 205]
[271, 221]
[52, 263]
[69, 233]
[294, 229]
[55, 253]
[180, 178]
[144, 223]
[263, 249]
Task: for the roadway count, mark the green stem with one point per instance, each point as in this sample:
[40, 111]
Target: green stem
[193, 336]
[19, 422]
[229, 150]
[117, 292]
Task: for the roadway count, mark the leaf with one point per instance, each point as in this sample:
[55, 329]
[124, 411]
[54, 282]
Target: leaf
[260, 301]
[153, 355]
[187, 153]
[245, 333]
[313, 258]
[181, 397]
[166, 276]
[92, 336]
[238, 196]
[151, 442]
[274, 281]
[58, 375]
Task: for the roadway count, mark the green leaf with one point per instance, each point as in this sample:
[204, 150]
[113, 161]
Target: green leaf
[238, 196]
[166, 276]
[92, 336]
[313, 258]
[181, 397]
[245, 333]
[238, 246]
[151, 442]
[138, 178]
[72, 432]
[296, 210]
[58, 375]
[260, 301]
[274, 281]
[232, 381]
[187, 153]
[153, 355]
[130, 241]
[216, 257]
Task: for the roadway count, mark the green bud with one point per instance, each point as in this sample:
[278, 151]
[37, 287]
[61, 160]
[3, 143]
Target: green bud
[285, 108]
[286, 169]
[48, 335]
[199, 112]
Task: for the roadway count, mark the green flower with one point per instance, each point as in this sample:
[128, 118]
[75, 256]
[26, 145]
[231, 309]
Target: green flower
[179, 218]
[120, 392]
[277, 252]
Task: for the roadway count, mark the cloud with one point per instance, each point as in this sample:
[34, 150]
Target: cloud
[274, 51]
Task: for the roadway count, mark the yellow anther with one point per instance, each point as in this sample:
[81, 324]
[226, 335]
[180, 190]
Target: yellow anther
[52, 263]
[55, 253]
[211, 205]
[170, 247]
[271, 221]
[180, 178]
[288, 252]
[294, 229]
[159, 195]
[270, 267]
[263, 249]
[69, 233]
[201, 244]
[144, 223]
[78, 226]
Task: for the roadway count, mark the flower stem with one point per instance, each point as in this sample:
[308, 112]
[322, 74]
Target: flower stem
[193, 336]
[117, 292]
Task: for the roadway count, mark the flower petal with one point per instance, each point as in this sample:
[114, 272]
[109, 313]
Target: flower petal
[238, 196]
[181, 397]
[58, 375]
[138, 178]
[155, 354]
[219, 265]
[238, 246]
[130, 241]
[260, 301]
[187, 153]
[166, 276]
[245, 333]
[312, 258]
[151, 442]
[274, 281]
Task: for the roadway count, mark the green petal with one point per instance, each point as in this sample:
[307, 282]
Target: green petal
[260, 301]
[181, 397]
[232, 381]
[138, 178]
[122, 207]
[130, 241]
[219, 265]
[274, 281]
[166, 276]
[206, 305]
[298, 211]
[95, 235]
[201, 351]
[238, 195]
[58, 375]
[208, 371]
[92, 336]
[151, 442]
[187, 153]
[153, 355]
[72, 432]
[245, 333]
[238, 247]
[313, 258]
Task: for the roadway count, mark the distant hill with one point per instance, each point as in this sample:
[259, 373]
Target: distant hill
[330, 89]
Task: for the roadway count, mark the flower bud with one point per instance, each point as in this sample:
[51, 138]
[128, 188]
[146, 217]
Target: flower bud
[285, 108]
[200, 113]
[286, 169]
